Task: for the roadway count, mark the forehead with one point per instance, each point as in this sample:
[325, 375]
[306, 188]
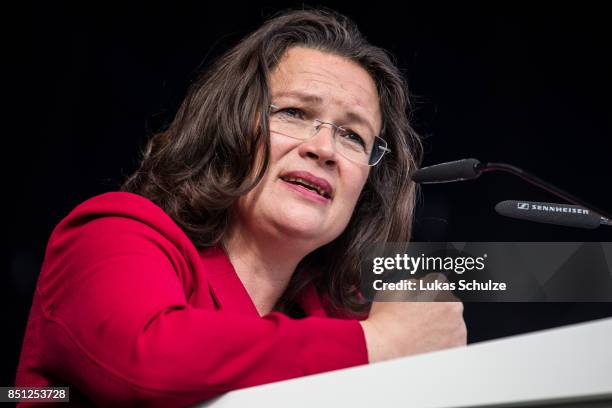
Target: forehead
[338, 86]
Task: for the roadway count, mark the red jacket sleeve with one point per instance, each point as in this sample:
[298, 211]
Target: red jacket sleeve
[117, 323]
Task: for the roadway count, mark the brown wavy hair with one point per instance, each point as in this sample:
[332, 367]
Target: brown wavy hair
[206, 159]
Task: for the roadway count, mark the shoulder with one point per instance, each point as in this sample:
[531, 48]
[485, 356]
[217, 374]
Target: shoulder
[114, 233]
[119, 204]
[110, 210]
[115, 222]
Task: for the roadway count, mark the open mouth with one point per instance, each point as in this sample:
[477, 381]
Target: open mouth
[301, 182]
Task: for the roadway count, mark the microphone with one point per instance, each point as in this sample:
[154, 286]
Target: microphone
[469, 169]
[551, 213]
[466, 169]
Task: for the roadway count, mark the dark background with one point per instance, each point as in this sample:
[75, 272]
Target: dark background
[87, 86]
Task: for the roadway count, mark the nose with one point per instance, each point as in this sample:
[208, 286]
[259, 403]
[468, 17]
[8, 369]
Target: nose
[321, 146]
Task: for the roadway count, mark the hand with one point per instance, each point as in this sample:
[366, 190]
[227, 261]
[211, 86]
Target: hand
[398, 329]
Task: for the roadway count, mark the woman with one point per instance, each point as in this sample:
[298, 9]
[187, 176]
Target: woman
[230, 258]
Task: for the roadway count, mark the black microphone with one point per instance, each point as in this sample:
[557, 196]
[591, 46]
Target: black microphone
[468, 169]
[551, 213]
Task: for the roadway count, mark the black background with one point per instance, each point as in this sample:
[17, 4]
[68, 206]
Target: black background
[529, 87]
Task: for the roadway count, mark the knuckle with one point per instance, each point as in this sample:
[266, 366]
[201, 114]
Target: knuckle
[453, 307]
[458, 306]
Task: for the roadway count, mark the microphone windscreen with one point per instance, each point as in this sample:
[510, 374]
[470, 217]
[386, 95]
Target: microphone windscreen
[447, 172]
[549, 213]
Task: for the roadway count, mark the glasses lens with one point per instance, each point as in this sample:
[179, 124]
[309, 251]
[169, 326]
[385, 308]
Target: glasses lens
[352, 146]
[378, 151]
[347, 144]
[362, 155]
[290, 126]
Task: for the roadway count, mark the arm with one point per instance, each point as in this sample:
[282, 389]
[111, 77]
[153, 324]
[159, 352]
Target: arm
[118, 325]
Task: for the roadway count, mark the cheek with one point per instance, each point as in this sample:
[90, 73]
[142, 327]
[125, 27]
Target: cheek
[280, 146]
[353, 185]
[278, 150]
[358, 181]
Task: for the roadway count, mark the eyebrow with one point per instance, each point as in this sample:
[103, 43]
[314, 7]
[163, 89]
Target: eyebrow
[352, 117]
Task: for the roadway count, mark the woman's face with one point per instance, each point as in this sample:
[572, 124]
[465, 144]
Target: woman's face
[318, 85]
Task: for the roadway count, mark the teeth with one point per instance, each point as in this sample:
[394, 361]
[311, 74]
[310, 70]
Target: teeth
[302, 181]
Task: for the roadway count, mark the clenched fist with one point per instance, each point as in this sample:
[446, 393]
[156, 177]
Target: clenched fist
[398, 329]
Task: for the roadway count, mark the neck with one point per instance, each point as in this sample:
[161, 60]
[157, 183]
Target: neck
[264, 266]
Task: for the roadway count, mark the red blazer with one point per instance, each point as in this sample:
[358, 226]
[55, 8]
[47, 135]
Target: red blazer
[128, 311]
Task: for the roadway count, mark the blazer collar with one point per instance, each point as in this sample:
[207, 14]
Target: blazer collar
[229, 293]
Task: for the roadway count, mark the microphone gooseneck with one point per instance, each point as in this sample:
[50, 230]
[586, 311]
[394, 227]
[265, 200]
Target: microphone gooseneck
[469, 169]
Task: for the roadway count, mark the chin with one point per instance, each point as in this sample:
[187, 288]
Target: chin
[299, 226]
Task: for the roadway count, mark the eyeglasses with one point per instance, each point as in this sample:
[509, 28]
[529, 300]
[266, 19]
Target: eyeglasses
[291, 122]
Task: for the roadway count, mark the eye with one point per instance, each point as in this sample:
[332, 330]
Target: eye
[293, 113]
[353, 138]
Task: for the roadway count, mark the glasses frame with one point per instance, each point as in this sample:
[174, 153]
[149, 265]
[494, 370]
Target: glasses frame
[382, 146]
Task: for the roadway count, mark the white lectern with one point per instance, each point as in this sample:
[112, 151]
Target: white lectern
[564, 367]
